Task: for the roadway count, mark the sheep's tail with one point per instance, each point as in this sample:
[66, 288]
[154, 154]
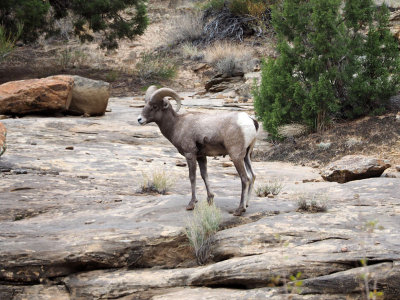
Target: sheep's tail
[256, 125]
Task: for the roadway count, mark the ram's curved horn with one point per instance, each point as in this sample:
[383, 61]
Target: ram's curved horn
[159, 95]
[150, 90]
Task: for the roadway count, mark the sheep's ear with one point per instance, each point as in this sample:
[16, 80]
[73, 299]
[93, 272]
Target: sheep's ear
[165, 104]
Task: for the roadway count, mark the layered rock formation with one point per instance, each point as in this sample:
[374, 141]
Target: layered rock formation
[74, 227]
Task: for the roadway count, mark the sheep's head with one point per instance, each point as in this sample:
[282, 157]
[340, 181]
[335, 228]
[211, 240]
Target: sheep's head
[155, 104]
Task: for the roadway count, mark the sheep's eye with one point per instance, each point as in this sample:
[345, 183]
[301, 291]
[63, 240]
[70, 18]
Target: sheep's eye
[154, 107]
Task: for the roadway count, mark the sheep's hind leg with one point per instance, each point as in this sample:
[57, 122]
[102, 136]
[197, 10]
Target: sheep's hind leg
[202, 160]
[247, 163]
[191, 161]
[241, 169]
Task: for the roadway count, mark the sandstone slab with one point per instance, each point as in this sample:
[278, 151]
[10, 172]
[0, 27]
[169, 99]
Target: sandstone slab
[352, 281]
[46, 95]
[73, 224]
[237, 294]
[35, 292]
[354, 167]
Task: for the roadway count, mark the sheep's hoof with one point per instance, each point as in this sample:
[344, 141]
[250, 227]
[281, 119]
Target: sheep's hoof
[210, 199]
[239, 211]
[191, 205]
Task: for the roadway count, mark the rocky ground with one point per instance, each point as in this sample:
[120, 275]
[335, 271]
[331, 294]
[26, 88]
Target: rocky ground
[73, 225]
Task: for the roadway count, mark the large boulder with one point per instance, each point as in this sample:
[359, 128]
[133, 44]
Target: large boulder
[354, 167]
[45, 95]
[3, 132]
[89, 97]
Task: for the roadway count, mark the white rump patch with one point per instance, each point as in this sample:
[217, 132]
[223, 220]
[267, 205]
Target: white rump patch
[248, 128]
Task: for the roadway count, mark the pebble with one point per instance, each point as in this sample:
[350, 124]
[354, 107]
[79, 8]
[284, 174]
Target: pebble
[20, 171]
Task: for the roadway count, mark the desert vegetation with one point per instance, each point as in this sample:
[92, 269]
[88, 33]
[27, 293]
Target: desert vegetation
[270, 188]
[159, 182]
[155, 66]
[8, 40]
[112, 19]
[313, 203]
[230, 57]
[327, 67]
[201, 228]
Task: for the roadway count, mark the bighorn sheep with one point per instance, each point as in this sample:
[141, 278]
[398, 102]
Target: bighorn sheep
[198, 135]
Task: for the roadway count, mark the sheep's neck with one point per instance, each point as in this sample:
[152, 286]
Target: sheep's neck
[167, 123]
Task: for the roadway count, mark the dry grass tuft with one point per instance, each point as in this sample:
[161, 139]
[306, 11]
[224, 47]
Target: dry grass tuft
[313, 204]
[153, 66]
[228, 57]
[190, 51]
[353, 141]
[158, 182]
[69, 57]
[272, 187]
[292, 130]
[187, 28]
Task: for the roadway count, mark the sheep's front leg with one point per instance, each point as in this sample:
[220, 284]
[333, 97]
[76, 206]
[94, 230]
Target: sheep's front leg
[202, 160]
[191, 161]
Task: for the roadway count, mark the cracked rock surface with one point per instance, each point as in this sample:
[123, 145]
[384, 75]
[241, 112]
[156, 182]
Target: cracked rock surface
[73, 225]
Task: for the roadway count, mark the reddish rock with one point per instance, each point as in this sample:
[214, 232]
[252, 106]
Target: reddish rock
[3, 132]
[354, 167]
[45, 95]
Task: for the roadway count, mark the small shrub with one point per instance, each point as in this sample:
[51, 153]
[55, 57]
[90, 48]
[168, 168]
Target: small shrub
[292, 130]
[79, 57]
[201, 229]
[316, 204]
[190, 51]
[7, 41]
[228, 57]
[226, 65]
[324, 146]
[112, 75]
[239, 7]
[65, 58]
[215, 5]
[273, 187]
[68, 58]
[188, 28]
[353, 141]
[153, 66]
[260, 9]
[160, 182]
[294, 286]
